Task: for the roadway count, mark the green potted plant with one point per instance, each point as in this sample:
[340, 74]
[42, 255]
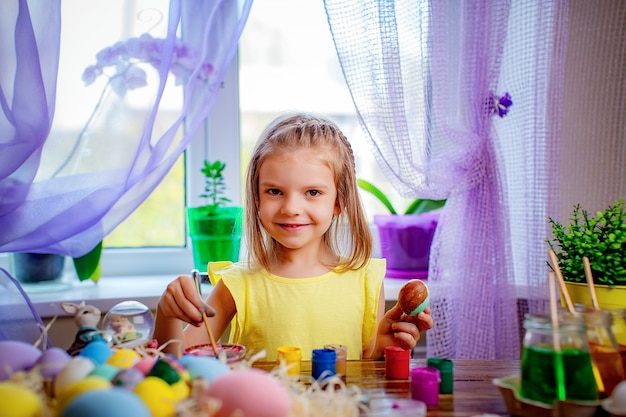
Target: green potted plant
[405, 239]
[215, 228]
[600, 238]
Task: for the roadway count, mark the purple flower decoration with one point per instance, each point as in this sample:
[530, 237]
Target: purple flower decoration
[499, 105]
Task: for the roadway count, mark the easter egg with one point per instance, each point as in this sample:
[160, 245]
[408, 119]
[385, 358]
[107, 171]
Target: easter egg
[18, 401]
[16, 356]
[413, 297]
[52, 361]
[164, 369]
[106, 403]
[76, 369]
[98, 351]
[105, 371]
[76, 388]
[254, 392]
[128, 378]
[124, 358]
[158, 396]
[205, 367]
[145, 364]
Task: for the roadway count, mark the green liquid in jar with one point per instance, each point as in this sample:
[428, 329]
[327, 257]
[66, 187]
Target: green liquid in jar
[539, 374]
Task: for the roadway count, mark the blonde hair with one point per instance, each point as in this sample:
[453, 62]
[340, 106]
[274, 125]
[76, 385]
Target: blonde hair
[303, 131]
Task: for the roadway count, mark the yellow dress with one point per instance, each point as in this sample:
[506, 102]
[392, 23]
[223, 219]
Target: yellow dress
[272, 311]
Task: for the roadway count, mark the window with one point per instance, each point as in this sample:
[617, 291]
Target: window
[286, 62]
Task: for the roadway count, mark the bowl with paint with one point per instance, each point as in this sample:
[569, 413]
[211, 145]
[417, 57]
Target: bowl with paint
[231, 353]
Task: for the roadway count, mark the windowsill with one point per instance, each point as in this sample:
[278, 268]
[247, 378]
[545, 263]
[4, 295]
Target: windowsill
[110, 291]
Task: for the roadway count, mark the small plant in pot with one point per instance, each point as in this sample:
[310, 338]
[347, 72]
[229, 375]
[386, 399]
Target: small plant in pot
[600, 238]
[215, 228]
[405, 239]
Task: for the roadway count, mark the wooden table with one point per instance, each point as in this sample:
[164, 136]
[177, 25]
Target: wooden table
[474, 392]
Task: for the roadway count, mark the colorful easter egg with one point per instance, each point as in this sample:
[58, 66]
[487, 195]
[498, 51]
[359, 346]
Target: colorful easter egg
[18, 401]
[145, 364]
[105, 371]
[158, 396]
[254, 392]
[52, 361]
[205, 367]
[76, 388]
[128, 378]
[124, 358]
[106, 403]
[16, 356]
[98, 351]
[76, 369]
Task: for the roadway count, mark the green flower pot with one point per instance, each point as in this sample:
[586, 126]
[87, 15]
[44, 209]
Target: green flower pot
[214, 236]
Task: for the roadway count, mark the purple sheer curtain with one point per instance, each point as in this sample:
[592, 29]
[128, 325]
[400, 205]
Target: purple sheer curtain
[68, 211]
[423, 76]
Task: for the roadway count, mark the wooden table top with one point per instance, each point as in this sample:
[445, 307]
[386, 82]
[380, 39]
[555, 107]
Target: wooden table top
[473, 394]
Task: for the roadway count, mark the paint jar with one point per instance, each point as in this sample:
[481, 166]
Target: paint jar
[425, 384]
[323, 363]
[397, 362]
[446, 368]
[603, 348]
[291, 356]
[541, 360]
[619, 331]
[342, 358]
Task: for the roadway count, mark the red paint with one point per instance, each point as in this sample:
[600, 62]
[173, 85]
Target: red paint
[397, 362]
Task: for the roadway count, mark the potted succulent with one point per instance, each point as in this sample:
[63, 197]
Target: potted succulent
[215, 228]
[405, 239]
[602, 239]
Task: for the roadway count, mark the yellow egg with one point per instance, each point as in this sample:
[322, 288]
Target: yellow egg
[158, 395]
[19, 401]
[123, 358]
[74, 389]
[181, 389]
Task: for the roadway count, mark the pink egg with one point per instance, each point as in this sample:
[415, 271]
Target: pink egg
[145, 365]
[256, 393]
[16, 356]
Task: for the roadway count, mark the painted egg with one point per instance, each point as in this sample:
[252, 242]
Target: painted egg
[73, 390]
[16, 356]
[19, 401]
[128, 378]
[105, 371]
[165, 369]
[205, 367]
[106, 403]
[98, 351]
[158, 396]
[256, 393]
[52, 361]
[145, 364]
[124, 358]
[76, 369]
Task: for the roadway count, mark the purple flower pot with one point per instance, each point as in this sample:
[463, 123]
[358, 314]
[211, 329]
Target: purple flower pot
[405, 242]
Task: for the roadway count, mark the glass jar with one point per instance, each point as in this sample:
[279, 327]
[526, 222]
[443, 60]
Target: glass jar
[619, 331]
[603, 348]
[548, 373]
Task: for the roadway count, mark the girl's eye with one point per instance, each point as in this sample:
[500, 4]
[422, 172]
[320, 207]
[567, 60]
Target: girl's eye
[273, 191]
[313, 193]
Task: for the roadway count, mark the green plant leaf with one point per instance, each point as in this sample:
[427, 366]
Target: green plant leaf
[420, 206]
[88, 265]
[371, 188]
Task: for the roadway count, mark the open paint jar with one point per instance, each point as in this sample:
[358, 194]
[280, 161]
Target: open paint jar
[232, 353]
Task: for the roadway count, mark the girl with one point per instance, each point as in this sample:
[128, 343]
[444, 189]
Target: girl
[297, 288]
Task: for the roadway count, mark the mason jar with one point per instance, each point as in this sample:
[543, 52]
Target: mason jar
[556, 364]
[603, 348]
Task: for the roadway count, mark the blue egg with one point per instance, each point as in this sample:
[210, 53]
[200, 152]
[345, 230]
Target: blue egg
[98, 351]
[206, 367]
[116, 402]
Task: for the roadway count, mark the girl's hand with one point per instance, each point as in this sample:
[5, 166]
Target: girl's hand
[182, 301]
[399, 329]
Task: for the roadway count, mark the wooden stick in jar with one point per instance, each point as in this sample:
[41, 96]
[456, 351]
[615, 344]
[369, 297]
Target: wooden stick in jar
[592, 288]
[561, 281]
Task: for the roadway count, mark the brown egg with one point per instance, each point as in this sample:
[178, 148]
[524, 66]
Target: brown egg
[413, 297]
